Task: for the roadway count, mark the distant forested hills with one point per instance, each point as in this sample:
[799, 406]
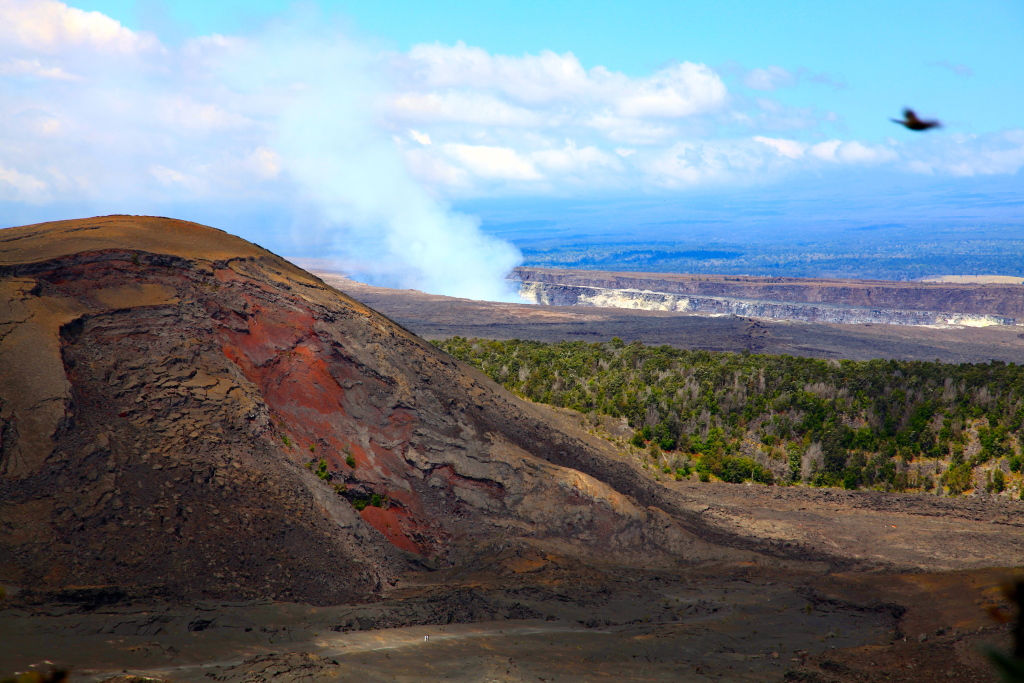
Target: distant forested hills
[882, 424]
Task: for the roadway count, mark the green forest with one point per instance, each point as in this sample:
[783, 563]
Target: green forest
[881, 424]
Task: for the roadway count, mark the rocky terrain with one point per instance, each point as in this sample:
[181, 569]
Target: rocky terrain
[214, 465]
[160, 404]
[822, 301]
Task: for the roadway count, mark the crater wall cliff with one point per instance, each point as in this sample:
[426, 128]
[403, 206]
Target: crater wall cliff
[830, 301]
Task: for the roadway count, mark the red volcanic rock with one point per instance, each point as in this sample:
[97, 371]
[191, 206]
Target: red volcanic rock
[168, 391]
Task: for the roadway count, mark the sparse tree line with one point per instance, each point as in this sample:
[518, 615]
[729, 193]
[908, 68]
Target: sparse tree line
[882, 424]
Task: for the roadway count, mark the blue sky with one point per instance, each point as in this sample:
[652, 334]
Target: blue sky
[379, 134]
[961, 60]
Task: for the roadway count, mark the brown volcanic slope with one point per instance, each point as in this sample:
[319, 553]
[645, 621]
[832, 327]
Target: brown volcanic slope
[986, 299]
[163, 384]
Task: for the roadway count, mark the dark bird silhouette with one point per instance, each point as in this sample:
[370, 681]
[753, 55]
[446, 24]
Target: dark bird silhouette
[911, 121]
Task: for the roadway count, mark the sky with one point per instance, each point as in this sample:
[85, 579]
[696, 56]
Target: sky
[381, 135]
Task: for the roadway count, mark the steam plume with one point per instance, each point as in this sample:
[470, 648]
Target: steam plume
[320, 90]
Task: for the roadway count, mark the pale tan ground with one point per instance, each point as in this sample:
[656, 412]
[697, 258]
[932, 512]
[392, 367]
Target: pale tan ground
[977, 279]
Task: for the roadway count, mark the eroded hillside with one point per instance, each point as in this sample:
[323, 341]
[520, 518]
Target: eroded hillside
[187, 414]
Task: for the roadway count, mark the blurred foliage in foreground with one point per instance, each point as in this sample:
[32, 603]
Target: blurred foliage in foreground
[884, 424]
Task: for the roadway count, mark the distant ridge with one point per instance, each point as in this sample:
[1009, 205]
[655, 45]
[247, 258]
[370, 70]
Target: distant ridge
[812, 300]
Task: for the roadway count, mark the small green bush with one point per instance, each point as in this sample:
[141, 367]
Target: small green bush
[996, 481]
[958, 478]
[322, 471]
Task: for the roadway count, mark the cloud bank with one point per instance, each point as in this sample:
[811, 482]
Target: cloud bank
[367, 147]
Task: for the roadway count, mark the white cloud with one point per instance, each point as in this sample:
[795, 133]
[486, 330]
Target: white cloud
[775, 77]
[787, 148]
[493, 162]
[184, 113]
[265, 163]
[97, 111]
[532, 79]
[419, 137]
[702, 162]
[971, 155]
[48, 26]
[546, 80]
[857, 152]
[459, 107]
[770, 78]
[33, 67]
[826, 151]
[680, 90]
[631, 131]
[17, 186]
[437, 171]
[571, 159]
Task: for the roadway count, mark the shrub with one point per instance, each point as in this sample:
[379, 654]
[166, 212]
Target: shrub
[322, 471]
[958, 478]
[795, 461]
[708, 402]
[996, 481]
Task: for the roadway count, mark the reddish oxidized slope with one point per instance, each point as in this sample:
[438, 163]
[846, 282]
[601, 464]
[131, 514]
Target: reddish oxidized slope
[163, 387]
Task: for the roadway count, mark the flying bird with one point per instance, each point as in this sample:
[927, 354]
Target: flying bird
[911, 121]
